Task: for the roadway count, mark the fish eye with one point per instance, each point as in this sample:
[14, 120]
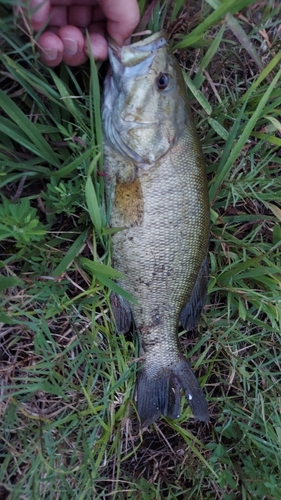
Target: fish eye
[162, 81]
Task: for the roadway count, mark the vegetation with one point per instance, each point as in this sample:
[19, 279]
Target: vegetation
[69, 427]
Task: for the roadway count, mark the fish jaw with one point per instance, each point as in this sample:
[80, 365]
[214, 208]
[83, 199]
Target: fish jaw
[134, 60]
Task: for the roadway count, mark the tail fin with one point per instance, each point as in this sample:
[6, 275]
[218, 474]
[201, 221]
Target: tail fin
[159, 393]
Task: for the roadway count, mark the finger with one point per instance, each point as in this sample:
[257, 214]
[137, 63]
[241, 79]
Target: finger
[80, 16]
[98, 46]
[58, 16]
[40, 10]
[98, 27]
[73, 45]
[97, 14]
[67, 3]
[123, 17]
[50, 49]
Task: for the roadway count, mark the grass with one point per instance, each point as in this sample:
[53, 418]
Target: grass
[67, 381]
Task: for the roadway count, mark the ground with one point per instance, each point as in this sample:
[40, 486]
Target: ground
[69, 427]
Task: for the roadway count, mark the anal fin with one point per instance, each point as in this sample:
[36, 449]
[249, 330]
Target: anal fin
[191, 312]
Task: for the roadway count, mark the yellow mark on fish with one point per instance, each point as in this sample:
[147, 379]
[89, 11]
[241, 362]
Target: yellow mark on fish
[129, 202]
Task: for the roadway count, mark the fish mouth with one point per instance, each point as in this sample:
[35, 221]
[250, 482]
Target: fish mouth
[135, 53]
[135, 59]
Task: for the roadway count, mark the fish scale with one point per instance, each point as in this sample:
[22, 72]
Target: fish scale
[157, 191]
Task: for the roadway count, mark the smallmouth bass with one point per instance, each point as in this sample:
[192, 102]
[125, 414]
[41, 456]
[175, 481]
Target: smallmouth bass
[156, 189]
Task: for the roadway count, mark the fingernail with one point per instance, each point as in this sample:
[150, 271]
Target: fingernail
[70, 47]
[49, 54]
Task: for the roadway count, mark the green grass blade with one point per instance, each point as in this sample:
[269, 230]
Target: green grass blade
[210, 54]
[243, 38]
[28, 128]
[223, 168]
[231, 6]
[93, 206]
[198, 94]
[67, 169]
[70, 255]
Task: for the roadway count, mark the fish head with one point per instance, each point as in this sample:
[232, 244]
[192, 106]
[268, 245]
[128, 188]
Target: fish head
[144, 108]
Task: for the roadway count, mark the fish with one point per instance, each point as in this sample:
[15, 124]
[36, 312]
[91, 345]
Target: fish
[156, 194]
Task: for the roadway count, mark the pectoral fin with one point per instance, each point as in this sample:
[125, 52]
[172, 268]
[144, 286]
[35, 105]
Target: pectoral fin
[191, 312]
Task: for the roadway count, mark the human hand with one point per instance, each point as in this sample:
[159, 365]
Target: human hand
[67, 21]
